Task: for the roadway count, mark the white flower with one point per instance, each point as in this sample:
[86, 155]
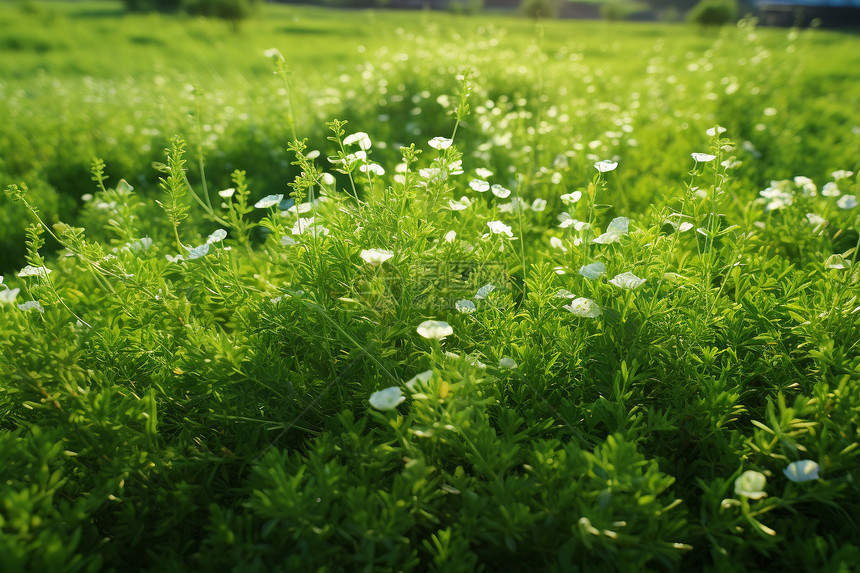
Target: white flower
[568, 221]
[268, 201]
[571, 198]
[627, 280]
[198, 252]
[498, 228]
[217, 236]
[435, 329]
[433, 174]
[703, 157]
[479, 185]
[465, 306]
[305, 207]
[139, 245]
[842, 174]
[287, 241]
[804, 470]
[31, 271]
[556, 243]
[593, 271]
[617, 228]
[420, 378]
[303, 224]
[515, 206]
[584, 307]
[460, 205]
[815, 219]
[831, 189]
[8, 296]
[273, 53]
[807, 185]
[716, 130]
[538, 204]
[500, 192]
[847, 202]
[606, 165]
[837, 262]
[31, 305]
[387, 399]
[484, 291]
[450, 236]
[507, 363]
[375, 257]
[374, 168]
[440, 143]
[483, 172]
[359, 137]
[227, 193]
[751, 484]
[683, 227]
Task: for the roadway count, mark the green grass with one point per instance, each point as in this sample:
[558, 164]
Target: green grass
[175, 397]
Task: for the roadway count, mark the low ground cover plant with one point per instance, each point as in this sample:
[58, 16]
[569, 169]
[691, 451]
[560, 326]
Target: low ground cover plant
[496, 319]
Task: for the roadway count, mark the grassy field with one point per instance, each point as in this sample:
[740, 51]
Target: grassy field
[390, 291]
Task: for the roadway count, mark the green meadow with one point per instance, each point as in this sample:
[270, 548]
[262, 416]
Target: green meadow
[377, 290]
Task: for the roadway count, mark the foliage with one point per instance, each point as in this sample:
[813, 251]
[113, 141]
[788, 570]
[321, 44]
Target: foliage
[539, 8]
[545, 317]
[230, 10]
[714, 12]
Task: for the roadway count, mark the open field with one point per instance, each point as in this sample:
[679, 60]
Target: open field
[557, 296]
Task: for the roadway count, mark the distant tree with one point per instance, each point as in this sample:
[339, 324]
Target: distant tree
[152, 5]
[539, 8]
[714, 12]
[233, 11]
[466, 6]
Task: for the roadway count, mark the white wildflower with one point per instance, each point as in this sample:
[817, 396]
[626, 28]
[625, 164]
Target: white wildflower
[8, 296]
[831, 189]
[435, 329]
[31, 305]
[359, 137]
[31, 271]
[387, 399]
[571, 198]
[216, 237]
[847, 202]
[751, 484]
[593, 271]
[800, 471]
[465, 306]
[627, 280]
[703, 157]
[268, 201]
[479, 185]
[618, 227]
[500, 192]
[484, 291]
[420, 378]
[584, 307]
[440, 143]
[498, 228]
[606, 165]
[375, 257]
[538, 204]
